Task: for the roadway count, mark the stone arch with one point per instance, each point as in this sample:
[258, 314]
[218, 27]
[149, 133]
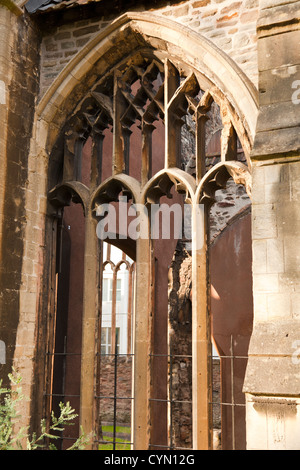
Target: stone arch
[64, 194]
[217, 177]
[109, 189]
[219, 77]
[134, 31]
[162, 182]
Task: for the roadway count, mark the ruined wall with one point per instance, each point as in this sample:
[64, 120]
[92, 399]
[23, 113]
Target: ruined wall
[180, 346]
[21, 97]
[231, 26]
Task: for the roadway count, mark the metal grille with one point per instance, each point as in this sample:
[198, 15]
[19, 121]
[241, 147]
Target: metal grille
[228, 401]
[178, 408]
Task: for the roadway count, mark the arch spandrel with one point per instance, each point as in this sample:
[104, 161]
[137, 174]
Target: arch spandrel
[109, 190]
[65, 193]
[161, 183]
[217, 177]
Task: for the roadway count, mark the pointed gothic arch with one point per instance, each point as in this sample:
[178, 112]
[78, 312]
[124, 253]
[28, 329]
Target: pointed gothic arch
[69, 113]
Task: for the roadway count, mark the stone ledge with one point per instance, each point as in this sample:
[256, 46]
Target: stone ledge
[279, 18]
[279, 143]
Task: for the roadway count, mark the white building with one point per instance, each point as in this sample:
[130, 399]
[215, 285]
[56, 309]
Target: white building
[112, 259]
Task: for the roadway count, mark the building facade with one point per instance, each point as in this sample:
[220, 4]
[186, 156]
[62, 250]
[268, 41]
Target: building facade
[188, 105]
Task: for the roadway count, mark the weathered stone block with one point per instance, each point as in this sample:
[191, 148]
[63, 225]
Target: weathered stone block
[292, 253]
[275, 85]
[260, 307]
[295, 298]
[283, 17]
[278, 51]
[277, 143]
[275, 422]
[265, 283]
[259, 263]
[273, 367]
[279, 306]
[278, 116]
[275, 256]
[27, 303]
[264, 221]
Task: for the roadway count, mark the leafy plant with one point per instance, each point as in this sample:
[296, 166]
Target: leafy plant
[14, 437]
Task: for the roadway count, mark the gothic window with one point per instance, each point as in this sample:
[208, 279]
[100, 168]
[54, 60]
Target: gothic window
[152, 132]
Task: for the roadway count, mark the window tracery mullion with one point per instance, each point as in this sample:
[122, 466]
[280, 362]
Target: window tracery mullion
[97, 158]
[126, 133]
[147, 130]
[99, 118]
[69, 156]
[118, 142]
[172, 140]
[74, 139]
[79, 143]
[201, 120]
[199, 110]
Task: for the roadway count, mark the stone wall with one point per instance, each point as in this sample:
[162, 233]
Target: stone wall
[231, 26]
[21, 97]
[272, 379]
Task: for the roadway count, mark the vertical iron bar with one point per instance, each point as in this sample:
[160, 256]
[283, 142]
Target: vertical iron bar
[232, 394]
[99, 343]
[115, 393]
[171, 401]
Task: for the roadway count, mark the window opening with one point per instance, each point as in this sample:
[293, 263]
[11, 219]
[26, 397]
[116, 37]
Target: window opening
[63, 356]
[115, 396]
[230, 342]
[178, 125]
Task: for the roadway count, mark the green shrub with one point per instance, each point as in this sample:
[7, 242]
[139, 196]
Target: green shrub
[10, 439]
